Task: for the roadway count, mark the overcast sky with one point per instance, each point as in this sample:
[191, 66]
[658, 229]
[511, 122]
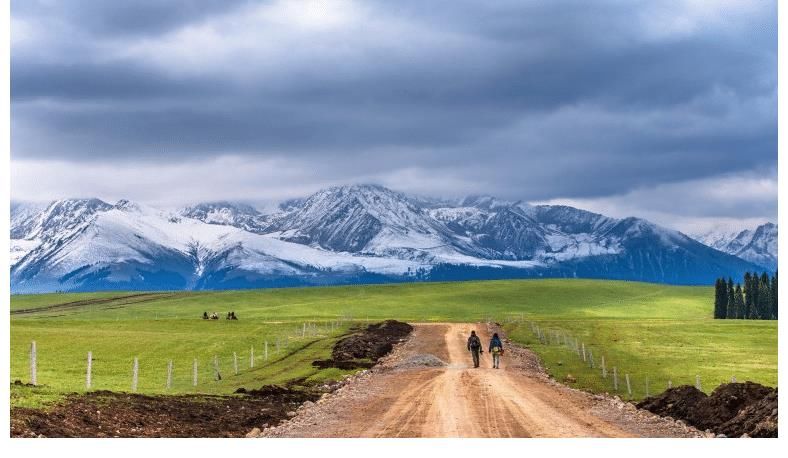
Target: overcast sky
[665, 110]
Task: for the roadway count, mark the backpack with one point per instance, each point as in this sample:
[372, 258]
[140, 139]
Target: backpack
[475, 342]
[496, 346]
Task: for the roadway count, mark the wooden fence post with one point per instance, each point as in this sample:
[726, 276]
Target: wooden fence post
[194, 372]
[88, 380]
[266, 351]
[591, 358]
[615, 379]
[647, 393]
[169, 375]
[584, 352]
[251, 357]
[303, 332]
[235, 363]
[33, 364]
[604, 369]
[216, 374]
[629, 387]
[135, 375]
[733, 379]
[697, 383]
[670, 384]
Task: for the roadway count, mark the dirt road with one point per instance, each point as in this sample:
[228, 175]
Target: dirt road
[406, 398]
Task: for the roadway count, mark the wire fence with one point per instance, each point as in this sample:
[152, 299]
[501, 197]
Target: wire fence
[600, 371]
[183, 372]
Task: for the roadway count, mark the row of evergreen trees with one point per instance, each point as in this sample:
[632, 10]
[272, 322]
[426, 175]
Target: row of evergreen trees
[757, 300]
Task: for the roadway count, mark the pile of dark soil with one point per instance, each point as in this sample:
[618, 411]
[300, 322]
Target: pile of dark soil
[345, 365]
[733, 409]
[364, 347]
[679, 402]
[756, 420]
[371, 343]
[108, 414]
[281, 393]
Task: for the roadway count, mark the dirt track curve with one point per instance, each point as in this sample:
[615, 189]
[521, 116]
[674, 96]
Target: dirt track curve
[457, 400]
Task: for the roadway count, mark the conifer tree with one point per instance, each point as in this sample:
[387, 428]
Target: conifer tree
[756, 289]
[774, 297]
[738, 302]
[747, 295]
[731, 297]
[764, 297]
[720, 299]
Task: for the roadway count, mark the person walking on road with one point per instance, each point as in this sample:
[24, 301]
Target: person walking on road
[475, 347]
[496, 350]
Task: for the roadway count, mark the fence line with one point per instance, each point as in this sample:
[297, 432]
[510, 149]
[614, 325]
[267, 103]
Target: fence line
[316, 328]
[586, 354]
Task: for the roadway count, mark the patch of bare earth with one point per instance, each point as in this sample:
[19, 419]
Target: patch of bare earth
[108, 414]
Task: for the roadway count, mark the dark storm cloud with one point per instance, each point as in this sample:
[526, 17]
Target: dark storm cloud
[525, 99]
[103, 18]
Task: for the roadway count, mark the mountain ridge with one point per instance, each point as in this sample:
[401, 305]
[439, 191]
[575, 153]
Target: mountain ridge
[757, 245]
[339, 235]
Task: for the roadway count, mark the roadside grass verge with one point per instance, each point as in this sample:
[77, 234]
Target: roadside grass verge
[654, 352]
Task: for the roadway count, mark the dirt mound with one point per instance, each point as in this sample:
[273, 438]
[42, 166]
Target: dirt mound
[280, 393]
[726, 402]
[756, 420]
[733, 409]
[345, 365]
[107, 414]
[678, 402]
[371, 343]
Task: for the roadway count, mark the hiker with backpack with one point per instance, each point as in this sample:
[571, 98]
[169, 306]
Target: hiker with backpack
[475, 347]
[496, 350]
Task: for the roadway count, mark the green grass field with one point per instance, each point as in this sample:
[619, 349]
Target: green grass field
[649, 331]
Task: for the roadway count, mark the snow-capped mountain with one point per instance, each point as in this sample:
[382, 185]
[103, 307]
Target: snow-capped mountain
[228, 214]
[758, 245]
[345, 234]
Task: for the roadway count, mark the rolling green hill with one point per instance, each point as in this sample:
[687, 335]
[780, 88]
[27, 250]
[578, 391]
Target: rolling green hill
[652, 331]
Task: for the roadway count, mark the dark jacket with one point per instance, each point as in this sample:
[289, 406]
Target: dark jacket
[495, 343]
[477, 344]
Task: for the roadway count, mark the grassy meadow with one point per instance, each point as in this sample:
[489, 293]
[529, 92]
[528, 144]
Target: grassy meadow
[659, 332]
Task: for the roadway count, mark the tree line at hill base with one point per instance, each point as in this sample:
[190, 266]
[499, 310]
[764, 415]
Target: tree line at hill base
[756, 300]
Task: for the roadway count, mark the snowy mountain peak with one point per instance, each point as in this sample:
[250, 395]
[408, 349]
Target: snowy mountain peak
[221, 210]
[355, 218]
[757, 245]
[234, 214]
[62, 216]
[484, 202]
[127, 206]
[24, 217]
